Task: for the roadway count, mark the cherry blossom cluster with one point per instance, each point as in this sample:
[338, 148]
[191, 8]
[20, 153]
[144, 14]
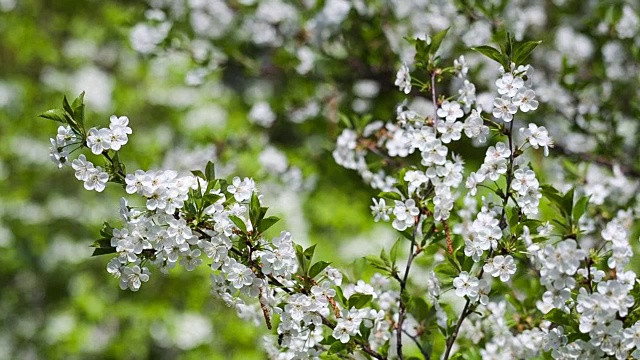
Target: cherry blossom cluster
[585, 301]
[573, 284]
[514, 93]
[185, 219]
[111, 138]
[98, 140]
[58, 152]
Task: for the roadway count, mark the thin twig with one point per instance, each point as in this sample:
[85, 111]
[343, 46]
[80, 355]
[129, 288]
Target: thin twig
[423, 351]
[452, 339]
[403, 287]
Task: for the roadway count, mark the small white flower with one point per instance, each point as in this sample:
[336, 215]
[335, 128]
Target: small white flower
[466, 285]
[504, 109]
[525, 100]
[242, 189]
[133, 277]
[99, 140]
[96, 179]
[82, 167]
[403, 79]
[380, 210]
[508, 85]
[450, 111]
[503, 266]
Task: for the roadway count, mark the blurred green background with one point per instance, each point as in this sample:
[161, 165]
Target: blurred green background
[57, 302]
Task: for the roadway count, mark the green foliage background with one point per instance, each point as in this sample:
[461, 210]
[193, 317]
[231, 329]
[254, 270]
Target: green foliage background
[55, 300]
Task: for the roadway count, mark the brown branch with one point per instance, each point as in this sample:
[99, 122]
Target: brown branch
[403, 287]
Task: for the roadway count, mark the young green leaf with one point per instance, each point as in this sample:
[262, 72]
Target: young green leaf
[393, 254]
[523, 51]
[317, 268]
[436, 41]
[376, 262]
[65, 105]
[198, 173]
[390, 195]
[78, 109]
[490, 52]
[103, 251]
[340, 296]
[359, 301]
[302, 261]
[580, 208]
[266, 223]
[239, 223]
[58, 115]
[336, 347]
[385, 258]
[210, 172]
[254, 208]
[567, 202]
[308, 252]
[419, 308]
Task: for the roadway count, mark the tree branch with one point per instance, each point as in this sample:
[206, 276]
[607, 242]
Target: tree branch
[403, 287]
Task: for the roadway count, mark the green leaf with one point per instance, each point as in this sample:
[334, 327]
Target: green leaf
[266, 223]
[558, 317]
[523, 51]
[393, 254]
[78, 109]
[65, 105]
[567, 202]
[385, 258]
[509, 48]
[308, 253]
[317, 268]
[580, 208]
[336, 347]
[376, 262]
[254, 208]
[346, 121]
[58, 115]
[512, 216]
[304, 265]
[419, 308]
[422, 51]
[340, 296]
[390, 195]
[103, 246]
[211, 198]
[365, 331]
[447, 269]
[239, 223]
[384, 349]
[407, 233]
[490, 52]
[553, 195]
[107, 230]
[198, 173]
[359, 301]
[103, 251]
[436, 40]
[210, 172]
[211, 185]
